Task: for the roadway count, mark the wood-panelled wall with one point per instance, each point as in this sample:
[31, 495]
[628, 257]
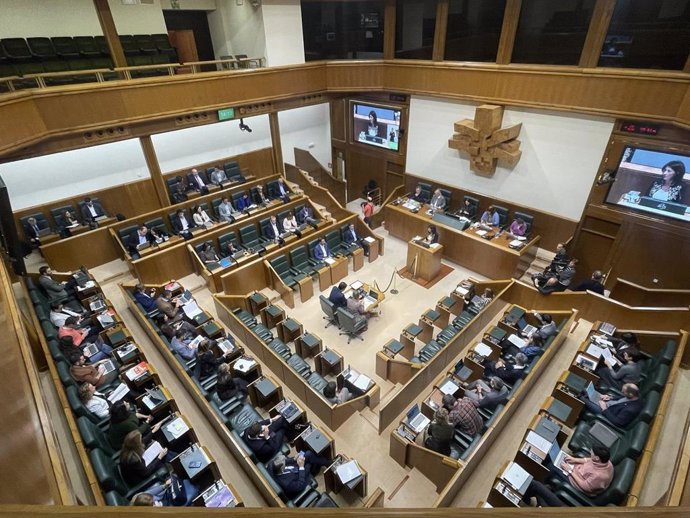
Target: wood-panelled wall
[553, 229]
[643, 248]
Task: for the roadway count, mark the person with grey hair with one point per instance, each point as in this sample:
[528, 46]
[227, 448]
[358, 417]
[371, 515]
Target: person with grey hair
[487, 396]
[292, 474]
[506, 371]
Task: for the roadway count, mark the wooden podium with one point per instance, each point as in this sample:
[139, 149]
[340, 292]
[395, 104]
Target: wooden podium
[428, 260]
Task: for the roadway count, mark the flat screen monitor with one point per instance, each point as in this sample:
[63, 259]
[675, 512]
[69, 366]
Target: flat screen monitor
[656, 182]
[376, 125]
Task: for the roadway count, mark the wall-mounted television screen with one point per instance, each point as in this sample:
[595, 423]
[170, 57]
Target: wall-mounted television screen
[652, 181]
[376, 125]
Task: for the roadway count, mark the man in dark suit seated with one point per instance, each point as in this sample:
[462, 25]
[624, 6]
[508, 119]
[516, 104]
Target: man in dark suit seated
[468, 210]
[265, 438]
[352, 237]
[322, 250]
[244, 202]
[305, 215]
[138, 239]
[54, 289]
[281, 191]
[196, 182]
[91, 210]
[594, 284]
[337, 297]
[274, 230]
[620, 411]
[506, 371]
[33, 232]
[293, 474]
[181, 225]
[260, 197]
[418, 195]
[147, 298]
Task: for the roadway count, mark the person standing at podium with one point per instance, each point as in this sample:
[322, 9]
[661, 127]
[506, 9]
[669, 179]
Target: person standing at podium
[431, 235]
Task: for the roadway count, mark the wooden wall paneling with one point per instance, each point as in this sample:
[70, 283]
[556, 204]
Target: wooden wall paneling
[338, 112]
[305, 161]
[155, 171]
[441, 29]
[633, 294]
[90, 249]
[511, 17]
[105, 18]
[593, 250]
[389, 14]
[596, 34]
[277, 147]
[362, 166]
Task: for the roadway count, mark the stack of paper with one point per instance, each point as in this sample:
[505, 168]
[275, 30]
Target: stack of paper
[120, 391]
[517, 341]
[538, 441]
[517, 477]
[481, 233]
[369, 239]
[348, 471]
[244, 365]
[362, 382]
[152, 452]
[449, 387]
[177, 428]
[137, 371]
[329, 260]
[482, 349]
[191, 309]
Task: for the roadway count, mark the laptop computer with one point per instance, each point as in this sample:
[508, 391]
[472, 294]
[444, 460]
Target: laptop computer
[416, 420]
[186, 297]
[556, 455]
[666, 206]
[525, 328]
[142, 246]
[97, 305]
[373, 295]
[90, 350]
[592, 393]
[108, 366]
[225, 262]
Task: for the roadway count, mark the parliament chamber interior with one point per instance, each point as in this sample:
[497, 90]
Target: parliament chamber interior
[400, 255]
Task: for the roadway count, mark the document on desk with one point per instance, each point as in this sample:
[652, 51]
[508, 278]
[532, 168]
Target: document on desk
[152, 452]
[517, 477]
[362, 382]
[369, 239]
[609, 357]
[449, 387]
[461, 291]
[120, 391]
[177, 428]
[195, 343]
[137, 371]
[517, 341]
[481, 233]
[434, 245]
[192, 309]
[125, 349]
[482, 349]
[595, 350]
[329, 260]
[602, 340]
[348, 471]
[244, 365]
[515, 243]
[356, 285]
[86, 286]
[538, 441]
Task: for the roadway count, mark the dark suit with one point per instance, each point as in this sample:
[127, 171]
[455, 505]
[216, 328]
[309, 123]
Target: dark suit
[294, 480]
[421, 197]
[243, 203]
[337, 298]
[133, 243]
[194, 183]
[352, 238]
[148, 303]
[86, 213]
[32, 232]
[305, 215]
[263, 448]
[281, 191]
[177, 226]
[620, 415]
[509, 374]
[319, 253]
[270, 233]
[260, 197]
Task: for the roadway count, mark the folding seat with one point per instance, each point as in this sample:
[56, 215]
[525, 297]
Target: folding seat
[41, 48]
[65, 47]
[16, 49]
[298, 364]
[280, 348]
[108, 475]
[623, 474]
[129, 45]
[94, 437]
[145, 43]
[87, 46]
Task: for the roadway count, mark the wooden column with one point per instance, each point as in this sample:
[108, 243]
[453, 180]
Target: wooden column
[596, 34]
[105, 17]
[441, 29]
[276, 148]
[511, 17]
[389, 30]
[155, 170]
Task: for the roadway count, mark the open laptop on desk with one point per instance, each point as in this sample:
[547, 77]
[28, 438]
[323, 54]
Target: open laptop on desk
[186, 297]
[416, 420]
[142, 246]
[557, 455]
[108, 367]
[525, 328]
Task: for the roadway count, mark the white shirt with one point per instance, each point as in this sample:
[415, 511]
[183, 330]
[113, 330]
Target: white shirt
[98, 405]
[290, 224]
[276, 232]
[183, 222]
[198, 180]
[92, 210]
[201, 219]
[58, 317]
[142, 238]
[660, 195]
[282, 189]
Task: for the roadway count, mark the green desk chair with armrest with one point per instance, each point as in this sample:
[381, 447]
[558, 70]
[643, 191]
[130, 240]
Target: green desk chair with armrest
[107, 473]
[352, 325]
[614, 494]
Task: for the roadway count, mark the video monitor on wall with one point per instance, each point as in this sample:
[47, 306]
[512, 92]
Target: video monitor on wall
[651, 181]
[376, 125]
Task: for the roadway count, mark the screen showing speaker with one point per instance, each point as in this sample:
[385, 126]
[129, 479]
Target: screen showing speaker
[376, 125]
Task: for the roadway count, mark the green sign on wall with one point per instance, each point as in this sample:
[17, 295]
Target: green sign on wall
[226, 114]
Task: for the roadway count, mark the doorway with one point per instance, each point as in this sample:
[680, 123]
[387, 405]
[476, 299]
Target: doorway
[190, 35]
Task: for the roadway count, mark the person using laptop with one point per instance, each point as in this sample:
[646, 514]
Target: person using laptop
[139, 239]
[355, 305]
[292, 473]
[208, 254]
[591, 475]
[462, 413]
[71, 328]
[670, 186]
[439, 433]
[490, 217]
[230, 249]
[335, 396]
[165, 304]
[547, 327]
[629, 372]
[95, 374]
[481, 301]
[620, 411]
[506, 371]
[145, 297]
[59, 313]
[337, 297]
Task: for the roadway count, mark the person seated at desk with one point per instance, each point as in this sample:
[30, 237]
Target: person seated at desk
[218, 176]
[196, 182]
[487, 396]
[94, 401]
[490, 217]
[158, 235]
[182, 345]
[560, 260]
[165, 305]
[292, 474]
[179, 190]
[431, 235]
[351, 238]
[560, 281]
[547, 327]
[169, 327]
[260, 197]
[670, 187]
[306, 216]
[59, 313]
[208, 254]
[125, 418]
[245, 202]
[228, 387]
[132, 466]
[79, 335]
[418, 195]
[623, 342]
[54, 290]
[335, 396]
[265, 438]
[629, 372]
[507, 372]
[439, 433]
[139, 239]
[290, 224]
[592, 476]
[282, 192]
[593, 284]
[620, 411]
[93, 374]
[226, 211]
[367, 211]
[33, 232]
[355, 305]
[181, 226]
[206, 362]
[322, 250]
[90, 211]
[274, 230]
[438, 201]
[337, 296]
[518, 227]
[462, 414]
[201, 219]
[68, 222]
[230, 249]
[468, 210]
[481, 301]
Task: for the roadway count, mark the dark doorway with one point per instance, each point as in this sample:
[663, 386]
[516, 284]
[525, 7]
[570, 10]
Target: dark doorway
[197, 22]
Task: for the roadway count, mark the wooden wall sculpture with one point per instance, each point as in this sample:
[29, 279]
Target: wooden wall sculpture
[485, 140]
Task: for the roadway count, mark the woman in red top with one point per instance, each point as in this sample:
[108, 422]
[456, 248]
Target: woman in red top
[368, 211]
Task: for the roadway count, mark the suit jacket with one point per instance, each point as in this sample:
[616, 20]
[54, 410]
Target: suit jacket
[53, 289]
[166, 307]
[177, 224]
[243, 203]
[260, 198]
[133, 242]
[349, 238]
[86, 213]
[226, 211]
[218, 176]
[278, 194]
[264, 448]
[319, 254]
[148, 303]
[194, 184]
[337, 298]
[623, 413]
[438, 201]
[421, 197]
[270, 233]
[494, 398]
[32, 232]
[302, 216]
[509, 374]
[293, 480]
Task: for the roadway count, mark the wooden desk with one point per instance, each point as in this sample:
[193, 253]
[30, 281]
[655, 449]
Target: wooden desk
[317, 441]
[428, 260]
[325, 280]
[373, 250]
[308, 345]
[493, 258]
[407, 338]
[328, 362]
[306, 288]
[272, 315]
[257, 302]
[264, 392]
[289, 329]
[173, 240]
[333, 483]
[338, 269]
[357, 259]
